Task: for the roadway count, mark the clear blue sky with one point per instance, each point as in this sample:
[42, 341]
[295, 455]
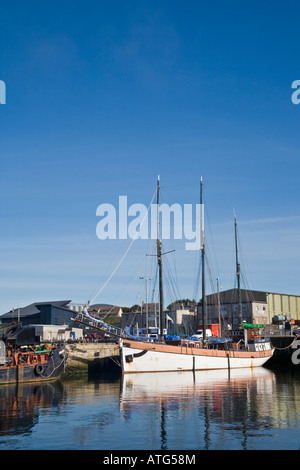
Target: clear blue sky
[103, 96]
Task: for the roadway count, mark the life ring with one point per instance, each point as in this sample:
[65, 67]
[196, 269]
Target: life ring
[39, 369]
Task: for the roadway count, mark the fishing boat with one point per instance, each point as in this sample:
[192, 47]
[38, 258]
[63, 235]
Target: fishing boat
[143, 354]
[28, 362]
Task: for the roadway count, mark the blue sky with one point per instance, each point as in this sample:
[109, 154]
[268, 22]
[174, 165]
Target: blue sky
[101, 97]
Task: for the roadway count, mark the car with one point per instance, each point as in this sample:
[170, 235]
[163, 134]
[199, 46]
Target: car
[199, 334]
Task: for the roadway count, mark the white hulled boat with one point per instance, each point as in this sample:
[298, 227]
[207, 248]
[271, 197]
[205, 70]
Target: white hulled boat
[145, 355]
[139, 356]
[191, 355]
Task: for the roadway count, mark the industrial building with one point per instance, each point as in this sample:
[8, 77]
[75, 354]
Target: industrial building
[258, 307]
[41, 313]
[284, 304]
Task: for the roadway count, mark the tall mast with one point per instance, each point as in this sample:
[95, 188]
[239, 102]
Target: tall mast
[159, 259]
[238, 273]
[204, 313]
[219, 306]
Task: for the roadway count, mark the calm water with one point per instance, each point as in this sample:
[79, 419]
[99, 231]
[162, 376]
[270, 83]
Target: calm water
[257, 409]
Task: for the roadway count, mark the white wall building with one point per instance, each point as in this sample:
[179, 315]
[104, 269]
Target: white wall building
[57, 333]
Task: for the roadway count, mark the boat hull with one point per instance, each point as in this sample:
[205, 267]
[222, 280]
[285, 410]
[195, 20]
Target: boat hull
[156, 357]
[25, 373]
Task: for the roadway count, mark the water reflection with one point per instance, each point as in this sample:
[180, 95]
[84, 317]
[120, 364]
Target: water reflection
[250, 409]
[239, 405]
[20, 405]
[39, 409]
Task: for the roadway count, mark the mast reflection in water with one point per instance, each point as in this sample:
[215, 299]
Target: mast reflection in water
[250, 409]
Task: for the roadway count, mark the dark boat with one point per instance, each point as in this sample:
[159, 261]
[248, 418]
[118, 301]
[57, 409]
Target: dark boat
[22, 359]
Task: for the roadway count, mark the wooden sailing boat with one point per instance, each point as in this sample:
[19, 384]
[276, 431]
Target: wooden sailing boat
[190, 355]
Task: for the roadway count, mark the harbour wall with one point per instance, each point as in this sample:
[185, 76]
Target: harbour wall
[92, 357]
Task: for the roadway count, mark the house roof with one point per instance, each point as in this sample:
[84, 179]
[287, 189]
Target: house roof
[150, 306]
[107, 306]
[105, 309]
[33, 309]
[231, 296]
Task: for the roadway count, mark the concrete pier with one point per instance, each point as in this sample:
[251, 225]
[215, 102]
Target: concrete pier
[92, 357]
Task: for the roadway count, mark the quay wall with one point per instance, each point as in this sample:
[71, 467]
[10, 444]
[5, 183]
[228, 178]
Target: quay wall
[88, 357]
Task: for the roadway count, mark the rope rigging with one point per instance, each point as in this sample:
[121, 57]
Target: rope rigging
[124, 256]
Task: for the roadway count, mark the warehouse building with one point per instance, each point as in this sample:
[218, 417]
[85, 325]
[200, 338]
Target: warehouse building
[284, 304]
[41, 313]
[258, 307]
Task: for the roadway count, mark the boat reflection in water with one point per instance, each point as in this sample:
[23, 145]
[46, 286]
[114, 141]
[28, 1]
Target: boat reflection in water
[206, 404]
[248, 409]
[31, 414]
[20, 405]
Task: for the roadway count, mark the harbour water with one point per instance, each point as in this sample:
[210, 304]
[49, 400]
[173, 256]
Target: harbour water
[250, 409]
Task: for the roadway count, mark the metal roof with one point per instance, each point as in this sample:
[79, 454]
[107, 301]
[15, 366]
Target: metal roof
[231, 296]
[33, 309]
